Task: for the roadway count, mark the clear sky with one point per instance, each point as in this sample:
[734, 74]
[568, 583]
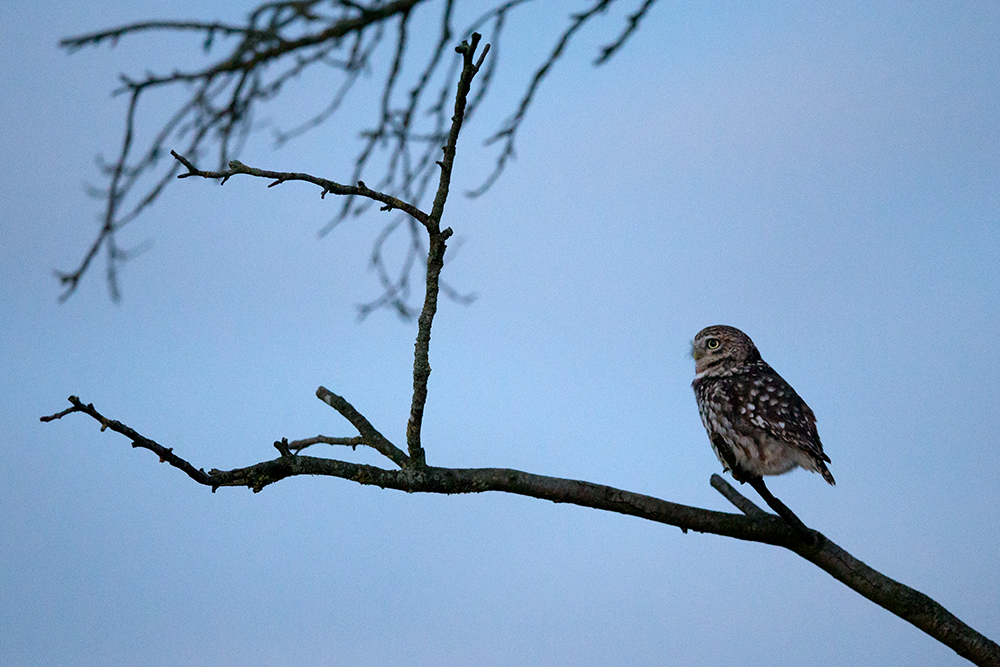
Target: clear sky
[825, 176]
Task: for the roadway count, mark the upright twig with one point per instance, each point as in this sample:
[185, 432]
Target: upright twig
[435, 253]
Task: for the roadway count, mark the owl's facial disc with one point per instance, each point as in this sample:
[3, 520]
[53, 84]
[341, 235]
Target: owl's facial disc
[705, 353]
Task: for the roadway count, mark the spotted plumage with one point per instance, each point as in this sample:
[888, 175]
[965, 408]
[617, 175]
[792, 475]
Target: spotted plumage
[756, 422]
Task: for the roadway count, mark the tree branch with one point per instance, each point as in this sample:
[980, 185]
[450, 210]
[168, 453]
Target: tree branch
[436, 250]
[369, 433]
[508, 133]
[248, 55]
[909, 604]
[633, 24]
[741, 502]
[278, 42]
[166, 454]
[781, 508]
[279, 177]
[296, 446]
[236, 80]
[754, 526]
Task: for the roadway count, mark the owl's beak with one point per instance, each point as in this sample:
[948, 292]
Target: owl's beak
[696, 352]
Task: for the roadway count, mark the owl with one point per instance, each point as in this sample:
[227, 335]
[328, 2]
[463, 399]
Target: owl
[756, 422]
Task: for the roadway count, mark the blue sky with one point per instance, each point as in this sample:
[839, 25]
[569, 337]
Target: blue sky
[825, 177]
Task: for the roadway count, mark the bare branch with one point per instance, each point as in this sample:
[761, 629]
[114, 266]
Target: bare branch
[274, 30]
[508, 133]
[249, 54]
[298, 445]
[210, 29]
[369, 433]
[633, 24]
[277, 43]
[436, 250]
[741, 502]
[907, 603]
[223, 97]
[353, 68]
[795, 522]
[166, 454]
[748, 508]
[279, 177]
[106, 236]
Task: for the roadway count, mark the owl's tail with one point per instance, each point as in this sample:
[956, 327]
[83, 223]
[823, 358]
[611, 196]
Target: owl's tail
[823, 470]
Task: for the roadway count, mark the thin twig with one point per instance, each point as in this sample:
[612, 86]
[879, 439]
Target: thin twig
[279, 177]
[746, 506]
[508, 133]
[277, 43]
[741, 502]
[299, 445]
[633, 24]
[92, 39]
[369, 433]
[166, 454]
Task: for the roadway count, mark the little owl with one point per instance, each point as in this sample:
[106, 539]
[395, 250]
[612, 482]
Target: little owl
[758, 425]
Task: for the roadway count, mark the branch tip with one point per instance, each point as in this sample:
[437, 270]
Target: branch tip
[63, 413]
[482, 57]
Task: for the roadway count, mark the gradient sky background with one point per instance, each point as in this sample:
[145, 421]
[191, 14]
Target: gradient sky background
[825, 176]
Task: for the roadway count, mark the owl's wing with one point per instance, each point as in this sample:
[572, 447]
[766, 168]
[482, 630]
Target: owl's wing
[771, 404]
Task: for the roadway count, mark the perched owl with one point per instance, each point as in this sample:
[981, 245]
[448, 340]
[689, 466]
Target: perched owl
[758, 425]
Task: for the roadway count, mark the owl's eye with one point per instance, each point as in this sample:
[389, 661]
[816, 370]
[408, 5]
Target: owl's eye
[712, 343]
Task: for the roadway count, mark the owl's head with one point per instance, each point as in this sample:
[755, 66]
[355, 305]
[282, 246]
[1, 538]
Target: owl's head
[721, 347]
